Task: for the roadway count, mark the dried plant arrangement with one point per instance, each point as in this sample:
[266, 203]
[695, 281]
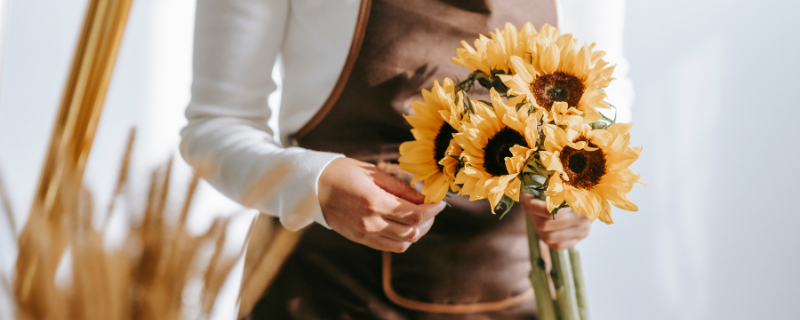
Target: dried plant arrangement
[143, 278]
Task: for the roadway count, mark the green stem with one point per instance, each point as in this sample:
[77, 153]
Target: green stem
[564, 282]
[538, 276]
[580, 285]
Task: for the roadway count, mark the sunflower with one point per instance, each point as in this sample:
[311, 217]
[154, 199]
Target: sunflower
[557, 70]
[493, 53]
[432, 157]
[497, 141]
[592, 169]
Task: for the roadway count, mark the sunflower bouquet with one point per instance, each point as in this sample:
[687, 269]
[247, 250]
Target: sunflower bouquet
[541, 132]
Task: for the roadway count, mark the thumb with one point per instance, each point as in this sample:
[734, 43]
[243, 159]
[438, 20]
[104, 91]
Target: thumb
[430, 210]
[398, 188]
[523, 197]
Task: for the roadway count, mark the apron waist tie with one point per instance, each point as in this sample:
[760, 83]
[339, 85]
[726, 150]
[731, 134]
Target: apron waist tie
[445, 308]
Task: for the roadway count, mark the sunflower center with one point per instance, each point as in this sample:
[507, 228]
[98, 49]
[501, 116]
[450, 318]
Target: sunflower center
[557, 86]
[584, 168]
[498, 148]
[442, 142]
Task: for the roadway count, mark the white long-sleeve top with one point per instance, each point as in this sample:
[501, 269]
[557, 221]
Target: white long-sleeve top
[236, 45]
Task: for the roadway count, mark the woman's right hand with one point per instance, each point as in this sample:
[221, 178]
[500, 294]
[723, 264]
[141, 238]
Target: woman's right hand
[373, 208]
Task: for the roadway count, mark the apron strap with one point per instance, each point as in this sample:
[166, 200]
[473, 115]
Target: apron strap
[352, 55]
[445, 308]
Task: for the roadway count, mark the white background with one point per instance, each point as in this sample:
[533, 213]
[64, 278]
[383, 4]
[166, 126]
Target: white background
[149, 90]
[717, 85]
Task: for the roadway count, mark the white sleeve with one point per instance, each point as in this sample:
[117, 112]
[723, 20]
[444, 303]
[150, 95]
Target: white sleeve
[227, 138]
[603, 22]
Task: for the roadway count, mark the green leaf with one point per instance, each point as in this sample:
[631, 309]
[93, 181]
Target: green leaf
[537, 193]
[504, 206]
[468, 104]
[601, 124]
[531, 105]
[535, 166]
[562, 206]
[613, 121]
[468, 83]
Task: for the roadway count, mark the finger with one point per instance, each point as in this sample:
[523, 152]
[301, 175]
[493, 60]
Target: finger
[568, 213]
[397, 187]
[411, 214]
[425, 227]
[400, 232]
[536, 207]
[565, 245]
[525, 197]
[380, 242]
[564, 220]
[406, 233]
[553, 237]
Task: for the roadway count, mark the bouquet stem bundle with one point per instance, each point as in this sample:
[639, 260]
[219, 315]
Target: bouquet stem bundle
[541, 286]
[564, 282]
[570, 302]
[580, 284]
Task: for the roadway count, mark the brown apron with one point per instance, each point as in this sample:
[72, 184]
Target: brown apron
[470, 265]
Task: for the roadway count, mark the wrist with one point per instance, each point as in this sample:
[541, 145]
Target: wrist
[323, 187]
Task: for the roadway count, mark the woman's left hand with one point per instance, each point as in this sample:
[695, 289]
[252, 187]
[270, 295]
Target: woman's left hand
[562, 233]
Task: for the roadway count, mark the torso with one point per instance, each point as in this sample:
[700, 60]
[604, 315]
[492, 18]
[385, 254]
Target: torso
[469, 256]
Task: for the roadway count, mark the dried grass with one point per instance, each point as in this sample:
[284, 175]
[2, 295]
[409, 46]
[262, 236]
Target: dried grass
[5, 202]
[145, 277]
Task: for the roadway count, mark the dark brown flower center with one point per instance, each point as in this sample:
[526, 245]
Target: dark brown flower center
[442, 142]
[584, 168]
[498, 148]
[557, 86]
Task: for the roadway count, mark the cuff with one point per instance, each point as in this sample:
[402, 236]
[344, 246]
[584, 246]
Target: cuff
[318, 216]
[304, 188]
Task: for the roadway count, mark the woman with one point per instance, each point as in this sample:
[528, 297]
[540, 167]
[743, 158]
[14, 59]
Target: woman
[351, 70]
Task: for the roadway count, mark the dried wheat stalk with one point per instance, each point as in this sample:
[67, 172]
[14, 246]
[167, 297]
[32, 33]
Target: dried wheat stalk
[146, 276]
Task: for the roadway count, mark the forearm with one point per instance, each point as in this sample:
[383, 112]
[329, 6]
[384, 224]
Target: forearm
[241, 161]
[227, 139]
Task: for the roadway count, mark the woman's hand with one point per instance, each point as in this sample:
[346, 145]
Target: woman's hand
[373, 208]
[562, 233]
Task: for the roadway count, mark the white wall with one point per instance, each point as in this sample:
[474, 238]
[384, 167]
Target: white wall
[716, 110]
[715, 237]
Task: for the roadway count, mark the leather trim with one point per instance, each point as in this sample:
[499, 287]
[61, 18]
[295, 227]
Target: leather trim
[352, 55]
[445, 308]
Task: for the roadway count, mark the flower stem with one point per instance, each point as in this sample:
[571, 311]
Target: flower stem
[538, 276]
[564, 283]
[580, 285]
